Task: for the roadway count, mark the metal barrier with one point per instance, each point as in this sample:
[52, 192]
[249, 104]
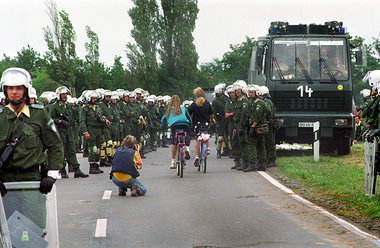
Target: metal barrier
[31, 217]
[371, 166]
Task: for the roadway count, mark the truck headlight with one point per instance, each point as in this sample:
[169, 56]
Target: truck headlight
[341, 122]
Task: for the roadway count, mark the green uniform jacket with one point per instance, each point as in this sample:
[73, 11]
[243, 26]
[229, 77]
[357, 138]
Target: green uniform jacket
[241, 106]
[39, 134]
[257, 111]
[218, 108]
[90, 117]
[230, 108]
[60, 111]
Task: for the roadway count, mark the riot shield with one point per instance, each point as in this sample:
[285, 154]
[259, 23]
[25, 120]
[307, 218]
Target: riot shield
[31, 216]
[370, 156]
[5, 238]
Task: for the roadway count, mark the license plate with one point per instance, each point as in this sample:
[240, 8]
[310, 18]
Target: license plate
[305, 124]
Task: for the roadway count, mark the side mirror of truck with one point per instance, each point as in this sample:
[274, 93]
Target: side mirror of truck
[360, 56]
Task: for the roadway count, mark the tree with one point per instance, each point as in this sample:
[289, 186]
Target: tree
[29, 59]
[92, 57]
[60, 39]
[178, 54]
[118, 75]
[143, 54]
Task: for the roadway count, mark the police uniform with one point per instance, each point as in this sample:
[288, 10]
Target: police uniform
[38, 135]
[62, 115]
[218, 106]
[92, 121]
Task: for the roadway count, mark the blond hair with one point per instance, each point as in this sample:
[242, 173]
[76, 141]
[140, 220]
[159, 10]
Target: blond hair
[175, 105]
[200, 94]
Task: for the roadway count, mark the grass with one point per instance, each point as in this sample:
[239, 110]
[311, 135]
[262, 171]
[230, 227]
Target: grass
[335, 182]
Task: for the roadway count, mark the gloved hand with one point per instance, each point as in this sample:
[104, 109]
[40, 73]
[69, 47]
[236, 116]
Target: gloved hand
[241, 131]
[111, 175]
[3, 190]
[251, 131]
[46, 184]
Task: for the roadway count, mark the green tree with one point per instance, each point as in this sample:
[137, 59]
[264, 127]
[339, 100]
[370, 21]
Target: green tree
[6, 63]
[118, 75]
[60, 39]
[178, 54]
[358, 72]
[29, 59]
[144, 16]
[92, 57]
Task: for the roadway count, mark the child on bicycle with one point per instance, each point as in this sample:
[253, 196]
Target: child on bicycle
[202, 114]
[178, 119]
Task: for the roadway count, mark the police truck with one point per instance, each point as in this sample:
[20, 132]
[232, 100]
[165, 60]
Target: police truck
[307, 69]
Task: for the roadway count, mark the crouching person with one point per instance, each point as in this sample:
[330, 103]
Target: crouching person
[126, 162]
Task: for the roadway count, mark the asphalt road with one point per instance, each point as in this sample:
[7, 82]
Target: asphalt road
[222, 208]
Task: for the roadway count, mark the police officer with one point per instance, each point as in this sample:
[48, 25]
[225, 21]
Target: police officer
[218, 106]
[163, 130]
[106, 146]
[269, 140]
[91, 123]
[62, 114]
[241, 125]
[32, 131]
[230, 110]
[254, 115]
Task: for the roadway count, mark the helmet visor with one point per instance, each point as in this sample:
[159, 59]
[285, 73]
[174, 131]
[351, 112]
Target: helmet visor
[14, 78]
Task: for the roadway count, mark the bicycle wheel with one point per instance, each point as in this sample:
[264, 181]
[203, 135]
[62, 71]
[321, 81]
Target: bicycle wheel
[204, 155]
[181, 167]
[177, 163]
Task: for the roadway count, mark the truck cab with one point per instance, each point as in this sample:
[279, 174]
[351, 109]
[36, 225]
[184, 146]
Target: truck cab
[307, 69]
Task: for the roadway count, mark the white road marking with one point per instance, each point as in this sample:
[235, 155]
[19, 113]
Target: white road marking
[107, 194]
[340, 221]
[101, 228]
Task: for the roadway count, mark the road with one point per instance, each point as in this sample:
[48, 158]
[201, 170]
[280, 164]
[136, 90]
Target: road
[222, 208]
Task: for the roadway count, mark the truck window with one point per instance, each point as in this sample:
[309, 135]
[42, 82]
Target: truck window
[317, 58]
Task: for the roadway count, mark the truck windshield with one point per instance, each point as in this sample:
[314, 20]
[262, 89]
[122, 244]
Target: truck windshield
[309, 59]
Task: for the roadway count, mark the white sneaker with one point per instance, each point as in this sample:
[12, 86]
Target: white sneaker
[196, 162]
[172, 165]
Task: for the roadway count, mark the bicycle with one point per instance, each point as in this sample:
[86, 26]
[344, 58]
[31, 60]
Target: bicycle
[180, 137]
[203, 138]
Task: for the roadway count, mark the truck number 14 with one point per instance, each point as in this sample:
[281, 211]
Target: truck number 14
[307, 90]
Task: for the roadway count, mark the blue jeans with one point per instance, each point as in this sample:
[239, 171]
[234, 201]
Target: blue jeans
[128, 184]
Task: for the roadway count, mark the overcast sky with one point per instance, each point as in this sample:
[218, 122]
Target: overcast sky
[219, 24]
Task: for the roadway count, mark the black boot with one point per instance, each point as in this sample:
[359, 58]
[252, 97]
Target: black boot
[252, 167]
[71, 169]
[93, 169]
[271, 163]
[154, 148]
[236, 165]
[164, 145]
[79, 173]
[64, 173]
[244, 165]
[102, 162]
[218, 154]
[108, 162]
[97, 167]
[261, 167]
[85, 153]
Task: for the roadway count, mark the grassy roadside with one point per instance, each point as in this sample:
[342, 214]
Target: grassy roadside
[335, 183]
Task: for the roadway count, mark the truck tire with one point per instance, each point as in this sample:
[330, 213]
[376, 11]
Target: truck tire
[344, 145]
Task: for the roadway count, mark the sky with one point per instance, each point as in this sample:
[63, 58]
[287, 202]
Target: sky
[220, 23]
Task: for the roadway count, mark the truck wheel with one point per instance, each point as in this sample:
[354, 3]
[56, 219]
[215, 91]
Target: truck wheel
[327, 146]
[344, 145]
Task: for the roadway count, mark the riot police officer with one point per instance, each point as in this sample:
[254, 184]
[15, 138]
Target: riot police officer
[26, 133]
[61, 113]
